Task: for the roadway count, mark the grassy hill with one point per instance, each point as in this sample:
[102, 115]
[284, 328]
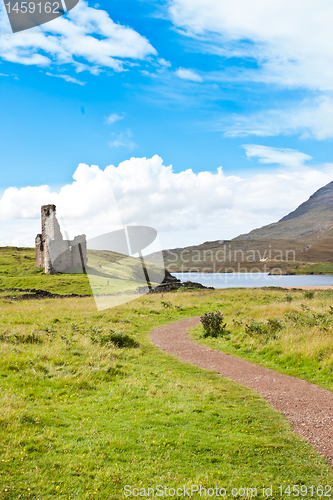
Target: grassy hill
[18, 270]
[109, 272]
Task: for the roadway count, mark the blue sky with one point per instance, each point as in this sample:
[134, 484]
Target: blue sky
[199, 83]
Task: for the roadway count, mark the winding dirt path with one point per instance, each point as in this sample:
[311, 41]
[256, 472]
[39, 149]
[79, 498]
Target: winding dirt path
[309, 408]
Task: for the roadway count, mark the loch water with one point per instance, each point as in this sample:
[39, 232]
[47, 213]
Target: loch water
[252, 280]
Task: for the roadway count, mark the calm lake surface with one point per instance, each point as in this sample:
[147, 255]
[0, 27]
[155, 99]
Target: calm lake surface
[251, 280]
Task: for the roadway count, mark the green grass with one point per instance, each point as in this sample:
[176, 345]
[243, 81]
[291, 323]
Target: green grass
[18, 270]
[80, 418]
[292, 333]
[109, 273]
[18, 261]
[319, 268]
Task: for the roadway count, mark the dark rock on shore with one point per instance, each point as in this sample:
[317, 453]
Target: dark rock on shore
[285, 273]
[32, 293]
[168, 278]
[169, 287]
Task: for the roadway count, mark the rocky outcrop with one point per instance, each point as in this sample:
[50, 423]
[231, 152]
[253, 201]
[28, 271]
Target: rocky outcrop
[169, 287]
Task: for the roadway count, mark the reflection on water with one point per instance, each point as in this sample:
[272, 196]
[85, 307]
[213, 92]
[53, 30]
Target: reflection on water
[251, 280]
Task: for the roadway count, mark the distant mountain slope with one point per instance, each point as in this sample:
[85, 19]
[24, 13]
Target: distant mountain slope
[313, 219]
[294, 244]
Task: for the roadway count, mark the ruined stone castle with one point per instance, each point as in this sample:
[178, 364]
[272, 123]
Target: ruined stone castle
[54, 253]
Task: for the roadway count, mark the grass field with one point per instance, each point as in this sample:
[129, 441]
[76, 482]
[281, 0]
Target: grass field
[320, 268]
[109, 273]
[82, 417]
[293, 335]
[18, 270]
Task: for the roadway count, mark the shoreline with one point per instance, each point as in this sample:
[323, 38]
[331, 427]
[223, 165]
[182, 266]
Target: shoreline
[318, 287]
[250, 272]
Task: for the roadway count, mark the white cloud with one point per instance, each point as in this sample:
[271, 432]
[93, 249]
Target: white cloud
[113, 118]
[185, 207]
[188, 74]
[291, 41]
[289, 158]
[67, 78]
[86, 38]
[123, 139]
[312, 118]
[163, 62]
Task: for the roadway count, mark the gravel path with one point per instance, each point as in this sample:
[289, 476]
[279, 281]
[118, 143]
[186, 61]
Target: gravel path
[309, 408]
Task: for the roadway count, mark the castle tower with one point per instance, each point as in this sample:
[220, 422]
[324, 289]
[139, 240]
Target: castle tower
[53, 250]
[50, 232]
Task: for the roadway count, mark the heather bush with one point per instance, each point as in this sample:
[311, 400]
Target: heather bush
[213, 325]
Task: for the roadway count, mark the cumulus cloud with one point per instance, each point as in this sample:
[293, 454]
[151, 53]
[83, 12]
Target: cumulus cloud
[86, 38]
[188, 74]
[185, 207]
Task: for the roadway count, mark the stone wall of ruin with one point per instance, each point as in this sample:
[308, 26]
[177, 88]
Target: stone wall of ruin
[53, 252]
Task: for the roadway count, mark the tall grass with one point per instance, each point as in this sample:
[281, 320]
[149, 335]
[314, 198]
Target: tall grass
[301, 343]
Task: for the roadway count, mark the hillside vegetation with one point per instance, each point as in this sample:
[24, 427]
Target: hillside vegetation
[286, 256]
[109, 272]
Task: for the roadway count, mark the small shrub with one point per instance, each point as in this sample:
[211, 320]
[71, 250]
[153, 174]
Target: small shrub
[213, 325]
[288, 298]
[118, 339]
[294, 318]
[274, 325]
[4, 336]
[21, 338]
[309, 294]
[30, 338]
[237, 322]
[48, 329]
[255, 328]
[269, 329]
